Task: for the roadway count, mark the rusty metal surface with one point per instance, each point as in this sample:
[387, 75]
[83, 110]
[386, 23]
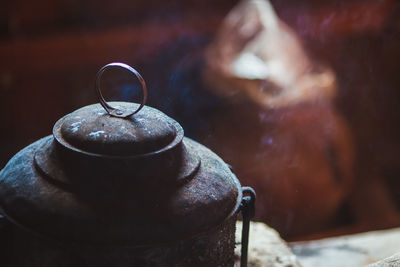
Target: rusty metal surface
[75, 169]
[213, 248]
[91, 130]
[73, 195]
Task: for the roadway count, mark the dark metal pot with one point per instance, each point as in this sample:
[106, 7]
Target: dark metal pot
[117, 187]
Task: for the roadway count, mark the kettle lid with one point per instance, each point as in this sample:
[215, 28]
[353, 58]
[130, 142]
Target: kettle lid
[119, 129]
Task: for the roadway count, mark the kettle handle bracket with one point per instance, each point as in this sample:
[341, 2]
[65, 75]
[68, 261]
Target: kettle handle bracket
[248, 210]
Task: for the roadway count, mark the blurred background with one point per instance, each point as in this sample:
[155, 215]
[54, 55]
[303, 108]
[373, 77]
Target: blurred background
[321, 165]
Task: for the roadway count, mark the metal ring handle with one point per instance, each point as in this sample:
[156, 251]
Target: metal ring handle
[114, 111]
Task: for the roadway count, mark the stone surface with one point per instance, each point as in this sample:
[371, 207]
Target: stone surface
[266, 248]
[393, 261]
[352, 250]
